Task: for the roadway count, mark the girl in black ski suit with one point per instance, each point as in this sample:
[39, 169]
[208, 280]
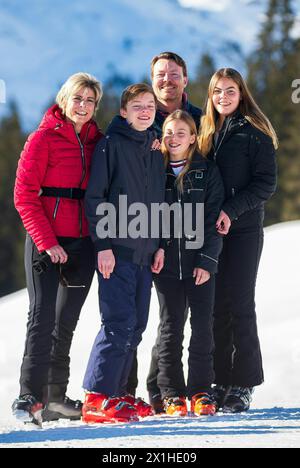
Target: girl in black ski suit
[241, 140]
[188, 273]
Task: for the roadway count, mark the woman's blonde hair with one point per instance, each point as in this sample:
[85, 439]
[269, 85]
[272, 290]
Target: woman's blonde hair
[248, 108]
[188, 119]
[73, 84]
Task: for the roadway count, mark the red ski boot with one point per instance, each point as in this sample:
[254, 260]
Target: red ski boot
[98, 408]
[143, 409]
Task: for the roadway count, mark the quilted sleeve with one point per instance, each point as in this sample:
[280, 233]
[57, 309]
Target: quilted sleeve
[31, 171]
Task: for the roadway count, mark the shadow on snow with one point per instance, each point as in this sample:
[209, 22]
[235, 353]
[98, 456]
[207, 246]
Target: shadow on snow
[246, 424]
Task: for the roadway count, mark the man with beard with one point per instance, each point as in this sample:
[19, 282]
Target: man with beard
[169, 80]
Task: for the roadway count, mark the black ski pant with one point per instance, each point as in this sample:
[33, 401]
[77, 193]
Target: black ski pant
[53, 314]
[173, 296]
[237, 354]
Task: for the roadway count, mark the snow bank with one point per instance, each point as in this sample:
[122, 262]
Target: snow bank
[274, 419]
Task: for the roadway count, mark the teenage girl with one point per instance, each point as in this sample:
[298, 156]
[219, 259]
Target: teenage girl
[241, 140]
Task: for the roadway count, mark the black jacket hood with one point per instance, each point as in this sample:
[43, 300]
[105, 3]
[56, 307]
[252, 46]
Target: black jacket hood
[120, 126]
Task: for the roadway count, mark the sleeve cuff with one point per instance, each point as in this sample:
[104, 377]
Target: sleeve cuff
[231, 213]
[206, 263]
[102, 244]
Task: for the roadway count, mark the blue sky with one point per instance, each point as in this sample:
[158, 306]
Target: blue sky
[116, 37]
[216, 5]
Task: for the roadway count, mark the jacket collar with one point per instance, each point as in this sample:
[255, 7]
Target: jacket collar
[198, 163]
[121, 127]
[54, 119]
[185, 105]
[234, 122]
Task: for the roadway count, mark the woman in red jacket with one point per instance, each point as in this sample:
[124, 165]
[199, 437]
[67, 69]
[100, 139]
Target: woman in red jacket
[52, 176]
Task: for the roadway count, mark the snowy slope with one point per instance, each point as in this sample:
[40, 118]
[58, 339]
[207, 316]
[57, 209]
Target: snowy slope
[43, 42]
[275, 416]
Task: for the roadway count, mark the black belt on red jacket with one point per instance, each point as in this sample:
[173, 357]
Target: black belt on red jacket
[72, 193]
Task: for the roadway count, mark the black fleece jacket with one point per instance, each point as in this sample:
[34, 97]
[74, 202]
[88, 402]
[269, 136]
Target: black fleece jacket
[202, 184]
[124, 164]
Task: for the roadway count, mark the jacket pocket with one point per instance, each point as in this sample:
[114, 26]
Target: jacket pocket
[196, 195]
[169, 196]
[172, 257]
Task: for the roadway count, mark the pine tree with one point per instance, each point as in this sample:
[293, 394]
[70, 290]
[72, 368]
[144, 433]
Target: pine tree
[198, 86]
[272, 69]
[110, 102]
[11, 230]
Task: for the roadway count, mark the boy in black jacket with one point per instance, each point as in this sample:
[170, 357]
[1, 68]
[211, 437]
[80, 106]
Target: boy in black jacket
[125, 172]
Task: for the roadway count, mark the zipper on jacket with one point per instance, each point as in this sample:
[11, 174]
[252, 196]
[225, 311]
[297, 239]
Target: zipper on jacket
[233, 191]
[180, 221]
[56, 207]
[82, 179]
[207, 256]
[179, 238]
[241, 123]
[222, 139]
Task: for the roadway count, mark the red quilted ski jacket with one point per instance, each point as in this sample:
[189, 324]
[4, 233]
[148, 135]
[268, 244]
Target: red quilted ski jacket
[54, 156]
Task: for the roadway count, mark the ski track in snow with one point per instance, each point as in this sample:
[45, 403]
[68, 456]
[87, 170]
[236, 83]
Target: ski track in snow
[272, 427]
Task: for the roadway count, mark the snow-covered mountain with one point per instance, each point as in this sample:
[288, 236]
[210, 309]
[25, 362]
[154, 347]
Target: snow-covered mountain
[274, 420]
[43, 42]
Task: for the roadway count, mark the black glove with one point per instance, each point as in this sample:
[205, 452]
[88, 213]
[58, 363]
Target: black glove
[42, 263]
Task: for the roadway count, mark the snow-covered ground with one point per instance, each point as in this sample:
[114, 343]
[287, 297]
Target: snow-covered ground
[274, 420]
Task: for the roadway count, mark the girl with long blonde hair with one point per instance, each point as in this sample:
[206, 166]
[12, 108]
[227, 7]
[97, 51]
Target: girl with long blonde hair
[187, 278]
[237, 135]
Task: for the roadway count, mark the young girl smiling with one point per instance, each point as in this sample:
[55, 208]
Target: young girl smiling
[188, 273]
